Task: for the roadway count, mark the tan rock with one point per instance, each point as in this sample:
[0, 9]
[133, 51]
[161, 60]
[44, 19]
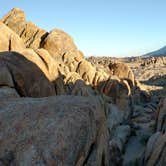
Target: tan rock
[15, 20]
[100, 76]
[72, 59]
[58, 43]
[31, 34]
[86, 71]
[45, 131]
[76, 86]
[120, 94]
[28, 79]
[12, 42]
[122, 71]
[31, 55]
[80, 56]
[72, 77]
[63, 69]
[50, 63]
[44, 61]
[9, 40]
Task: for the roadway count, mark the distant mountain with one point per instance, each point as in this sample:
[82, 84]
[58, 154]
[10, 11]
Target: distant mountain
[160, 52]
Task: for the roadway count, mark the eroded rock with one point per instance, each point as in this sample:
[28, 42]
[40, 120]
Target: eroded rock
[28, 79]
[58, 43]
[53, 131]
[156, 150]
[31, 35]
[161, 118]
[122, 71]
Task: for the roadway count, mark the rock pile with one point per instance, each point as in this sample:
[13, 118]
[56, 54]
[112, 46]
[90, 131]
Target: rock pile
[57, 108]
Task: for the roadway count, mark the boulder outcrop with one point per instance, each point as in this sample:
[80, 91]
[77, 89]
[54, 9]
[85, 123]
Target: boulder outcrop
[24, 76]
[122, 71]
[53, 131]
[58, 108]
[156, 147]
[31, 35]
[161, 118]
[9, 41]
[156, 150]
[58, 43]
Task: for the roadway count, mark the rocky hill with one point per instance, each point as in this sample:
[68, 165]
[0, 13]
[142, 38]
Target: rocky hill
[58, 108]
[157, 53]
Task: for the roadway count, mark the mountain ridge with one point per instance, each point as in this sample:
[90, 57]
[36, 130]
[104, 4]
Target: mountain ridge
[156, 53]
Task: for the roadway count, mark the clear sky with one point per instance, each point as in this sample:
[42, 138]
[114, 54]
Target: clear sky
[101, 27]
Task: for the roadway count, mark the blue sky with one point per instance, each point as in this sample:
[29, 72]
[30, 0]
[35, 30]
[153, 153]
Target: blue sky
[101, 27]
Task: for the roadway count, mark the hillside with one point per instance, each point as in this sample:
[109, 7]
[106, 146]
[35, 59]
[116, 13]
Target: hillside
[157, 53]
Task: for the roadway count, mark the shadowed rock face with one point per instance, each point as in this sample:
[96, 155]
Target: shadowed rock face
[24, 76]
[156, 150]
[161, 119]
[7, 92]
[53, 131]
[156, 147]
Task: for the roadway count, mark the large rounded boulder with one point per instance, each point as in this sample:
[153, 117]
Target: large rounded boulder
[24, 75]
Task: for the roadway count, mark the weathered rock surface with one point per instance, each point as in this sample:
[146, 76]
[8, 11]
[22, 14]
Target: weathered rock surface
[120, 94]
[134, 151]
[5, 76]
[44, 61]
[32, 35]
[156, 150]
[72, 130]
[156, 147]
[9, 41]
[15, 20]
[58, 43]
[26, 77]
[122, 71]
[29, 32]
[86, 71]
[53, 131]
[72, 58]
[52, 52]
[161, 119]
[121, 135]
[7, 92]
[154, 61]
[149, 89]
[81, 89]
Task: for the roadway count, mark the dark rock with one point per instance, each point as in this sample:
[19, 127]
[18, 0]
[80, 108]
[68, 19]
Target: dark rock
[28, 79]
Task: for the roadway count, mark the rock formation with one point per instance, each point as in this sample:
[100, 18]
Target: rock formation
[144, 138]
[156, 147]
[122, 71]
[53, 131]
[58, 108]
[24, 76]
